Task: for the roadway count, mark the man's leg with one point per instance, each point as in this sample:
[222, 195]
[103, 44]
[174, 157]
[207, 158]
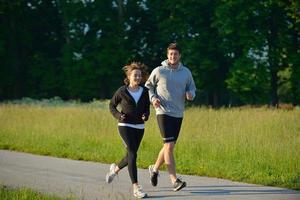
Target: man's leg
[160, 160]
[153, 169]
[178, 184]
[169, 160]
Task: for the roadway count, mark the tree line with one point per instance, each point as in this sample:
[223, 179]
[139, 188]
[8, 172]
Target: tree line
[240, 52]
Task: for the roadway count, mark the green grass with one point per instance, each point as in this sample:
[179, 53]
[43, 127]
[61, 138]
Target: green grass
[254, 145]
[25, 194]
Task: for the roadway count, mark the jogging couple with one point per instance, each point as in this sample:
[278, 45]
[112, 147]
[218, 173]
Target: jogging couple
[167, 88]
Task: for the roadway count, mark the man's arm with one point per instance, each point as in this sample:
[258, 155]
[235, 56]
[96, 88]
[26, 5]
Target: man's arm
[191, 88]
[151, 84]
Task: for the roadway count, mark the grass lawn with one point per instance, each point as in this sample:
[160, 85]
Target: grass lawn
[254, 145]
[25, 194]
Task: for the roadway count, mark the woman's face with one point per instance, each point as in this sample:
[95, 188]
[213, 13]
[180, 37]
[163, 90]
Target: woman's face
[135, 77]
[173, 56]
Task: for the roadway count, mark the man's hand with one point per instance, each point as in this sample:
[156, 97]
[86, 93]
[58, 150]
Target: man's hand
[189, 96]
[156, 103]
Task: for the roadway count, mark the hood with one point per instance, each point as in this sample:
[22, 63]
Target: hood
[166, 64]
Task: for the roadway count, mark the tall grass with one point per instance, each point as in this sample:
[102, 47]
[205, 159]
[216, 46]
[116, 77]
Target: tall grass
[252, 145]
[256, 145]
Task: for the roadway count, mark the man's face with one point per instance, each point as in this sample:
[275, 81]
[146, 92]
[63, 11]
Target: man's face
[173, 57]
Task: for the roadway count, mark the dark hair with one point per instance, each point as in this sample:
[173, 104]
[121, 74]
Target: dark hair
[173, 46]
[135, 65]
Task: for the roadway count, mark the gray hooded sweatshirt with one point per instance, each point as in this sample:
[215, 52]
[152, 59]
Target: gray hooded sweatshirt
[170, 86]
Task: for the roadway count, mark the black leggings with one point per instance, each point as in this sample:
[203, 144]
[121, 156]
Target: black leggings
[132, 138]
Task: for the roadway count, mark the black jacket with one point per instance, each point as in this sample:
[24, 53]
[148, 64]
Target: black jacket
[133, 111]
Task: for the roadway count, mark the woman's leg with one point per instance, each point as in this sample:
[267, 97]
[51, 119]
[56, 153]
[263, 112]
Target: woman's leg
[132, 138]
[125, 138]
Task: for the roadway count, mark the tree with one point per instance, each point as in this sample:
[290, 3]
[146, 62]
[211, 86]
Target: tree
[189, 24]
[259, 33]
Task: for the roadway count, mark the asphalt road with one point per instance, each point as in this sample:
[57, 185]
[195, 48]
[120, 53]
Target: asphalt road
[86, 181]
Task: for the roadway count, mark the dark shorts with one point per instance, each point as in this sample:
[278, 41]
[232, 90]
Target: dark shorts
[169, 127]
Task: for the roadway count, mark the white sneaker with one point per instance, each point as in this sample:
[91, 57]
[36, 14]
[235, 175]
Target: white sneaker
[138, 192]
[111, 174]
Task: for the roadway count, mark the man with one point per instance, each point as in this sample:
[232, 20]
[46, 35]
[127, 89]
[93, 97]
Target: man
[169, 85]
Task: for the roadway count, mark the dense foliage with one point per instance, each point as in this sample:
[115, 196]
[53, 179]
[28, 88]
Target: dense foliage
[240, 52]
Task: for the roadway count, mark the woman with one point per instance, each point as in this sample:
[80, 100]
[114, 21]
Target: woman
[133, 99]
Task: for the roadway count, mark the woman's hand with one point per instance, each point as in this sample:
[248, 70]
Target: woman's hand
[123, 116]
[144, 118]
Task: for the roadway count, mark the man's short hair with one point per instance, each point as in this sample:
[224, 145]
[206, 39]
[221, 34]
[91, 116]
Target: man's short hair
[174, 46]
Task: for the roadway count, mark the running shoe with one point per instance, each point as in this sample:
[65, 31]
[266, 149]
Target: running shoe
[138, 192]
[178, 185]
[153, 175]
[111, 174]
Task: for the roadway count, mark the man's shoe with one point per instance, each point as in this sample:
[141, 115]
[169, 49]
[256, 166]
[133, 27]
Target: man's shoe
[111, 174]
[138, 192]
[153, 175]
[179, 184]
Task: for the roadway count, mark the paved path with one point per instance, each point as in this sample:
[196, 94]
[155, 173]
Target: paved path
[85, 181]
